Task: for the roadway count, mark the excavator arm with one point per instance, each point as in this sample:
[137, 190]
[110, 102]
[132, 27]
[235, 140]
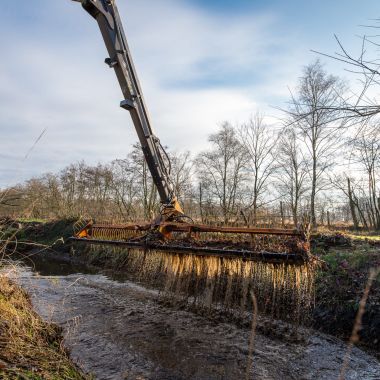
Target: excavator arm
[107, 16]
[264, 244]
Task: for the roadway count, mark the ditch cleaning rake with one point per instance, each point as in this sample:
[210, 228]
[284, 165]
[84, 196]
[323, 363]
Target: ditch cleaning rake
[266, 244]
[211, 268]
[170, 231]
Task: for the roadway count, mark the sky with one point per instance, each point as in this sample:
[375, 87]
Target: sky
[200, 62]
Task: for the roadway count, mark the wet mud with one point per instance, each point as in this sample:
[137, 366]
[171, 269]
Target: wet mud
[121, 330]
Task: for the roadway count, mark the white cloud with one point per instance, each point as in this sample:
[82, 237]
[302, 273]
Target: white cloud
[54, 78]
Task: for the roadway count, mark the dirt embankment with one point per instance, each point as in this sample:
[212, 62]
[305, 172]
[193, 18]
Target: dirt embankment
[29, 347]
[340, 286]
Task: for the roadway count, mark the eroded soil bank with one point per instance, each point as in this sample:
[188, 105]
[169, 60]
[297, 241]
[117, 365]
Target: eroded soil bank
[30, 348]
[120, 330]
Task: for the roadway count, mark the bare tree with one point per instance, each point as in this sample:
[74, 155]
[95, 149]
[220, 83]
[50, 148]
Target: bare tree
[182, 168]
[293, 171]
[259, 143]
[349, 187]
[73, 186]
[147, 190]
[220, 170]
[366, 151]
[124, 188]
[353, 205]
[316, 93]
[10, 197]
[365, 67]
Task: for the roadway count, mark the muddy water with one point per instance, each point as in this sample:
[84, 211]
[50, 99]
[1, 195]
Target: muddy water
[120, 330]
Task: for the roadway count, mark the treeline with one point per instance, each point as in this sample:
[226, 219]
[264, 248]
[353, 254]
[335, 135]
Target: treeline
[314, 165]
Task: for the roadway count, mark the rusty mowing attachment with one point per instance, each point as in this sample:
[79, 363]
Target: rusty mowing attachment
[262, 244]
[211, 268]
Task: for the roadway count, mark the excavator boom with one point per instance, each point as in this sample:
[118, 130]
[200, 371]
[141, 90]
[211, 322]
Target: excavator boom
[262, 242]
[107, 16]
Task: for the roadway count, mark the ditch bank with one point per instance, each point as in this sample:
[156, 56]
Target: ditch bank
[30, 348]
[339, 286]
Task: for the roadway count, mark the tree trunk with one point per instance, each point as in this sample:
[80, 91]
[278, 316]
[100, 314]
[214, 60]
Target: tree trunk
[370, 215]
[313, 218]
[282, 214]
[361, 212]
[200, 202]
[352, 205]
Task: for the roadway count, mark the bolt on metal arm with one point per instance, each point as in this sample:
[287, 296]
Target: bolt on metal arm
[107, 16]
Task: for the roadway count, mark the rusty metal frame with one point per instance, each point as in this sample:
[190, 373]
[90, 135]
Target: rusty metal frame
[86, 235]
[189, 228]
[202, 251]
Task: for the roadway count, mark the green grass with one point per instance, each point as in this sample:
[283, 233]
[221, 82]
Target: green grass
[364, 237]
[350, 262]
[32, 220]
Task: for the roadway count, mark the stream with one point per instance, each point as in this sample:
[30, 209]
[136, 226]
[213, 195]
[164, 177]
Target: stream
[117, 329]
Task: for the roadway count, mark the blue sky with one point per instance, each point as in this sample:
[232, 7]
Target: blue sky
[200, 63]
